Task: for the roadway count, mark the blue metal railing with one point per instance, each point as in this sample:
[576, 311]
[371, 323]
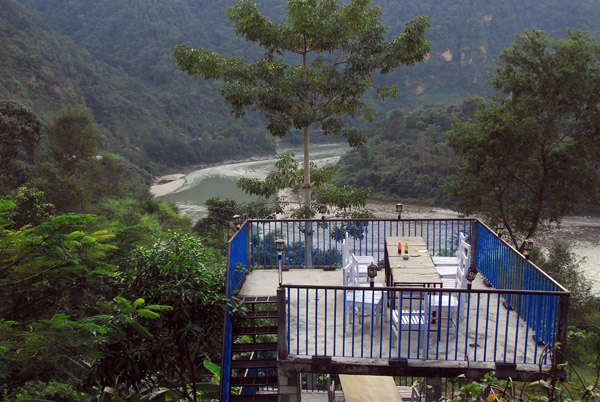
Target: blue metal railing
[237, 266]
[321, 240]
[322, 322]
[521, 288]
[505, 268]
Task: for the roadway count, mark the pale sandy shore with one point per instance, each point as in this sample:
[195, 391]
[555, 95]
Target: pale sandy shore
[164, 185]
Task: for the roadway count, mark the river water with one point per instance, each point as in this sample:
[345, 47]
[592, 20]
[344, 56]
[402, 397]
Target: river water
[582, 232]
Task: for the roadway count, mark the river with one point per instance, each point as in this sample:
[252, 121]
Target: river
[582, 232]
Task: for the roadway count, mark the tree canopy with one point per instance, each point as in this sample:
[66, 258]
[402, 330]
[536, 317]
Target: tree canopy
[531, 152]
[316, 67]
[20, 132]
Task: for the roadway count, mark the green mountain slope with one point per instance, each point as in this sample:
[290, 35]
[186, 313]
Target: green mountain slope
[153, 123]
[114, 56]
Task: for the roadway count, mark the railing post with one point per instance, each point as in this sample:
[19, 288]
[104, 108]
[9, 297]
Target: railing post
[473, 255]
[563, 324]
[282, 352]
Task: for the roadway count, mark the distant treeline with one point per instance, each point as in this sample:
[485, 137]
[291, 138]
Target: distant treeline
[406, 157]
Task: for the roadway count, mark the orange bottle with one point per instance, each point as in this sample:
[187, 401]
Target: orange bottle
[399, 247]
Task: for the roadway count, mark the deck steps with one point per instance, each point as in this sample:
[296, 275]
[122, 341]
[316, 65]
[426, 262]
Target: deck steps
[254, 347]
[254, 351]
[259, 363]
[260, 381]
[258, 315]
[270, 329]
[255, 398]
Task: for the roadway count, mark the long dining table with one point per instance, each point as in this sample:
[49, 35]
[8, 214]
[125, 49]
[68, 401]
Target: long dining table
[416, 271]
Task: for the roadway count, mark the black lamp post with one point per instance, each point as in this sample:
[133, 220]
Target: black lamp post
[280, 244]
[323, 211]
[528, 247]
[372, 273]
[399, 208]
[237, 221]
[500, 228]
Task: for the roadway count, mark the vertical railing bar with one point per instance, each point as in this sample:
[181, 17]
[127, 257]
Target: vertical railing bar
[372, 318]
[445, 237]
[317, 322]
[487, 321]
[362, 324]
[461, 300]
[252, 243]
[468, 296]
[448, 321]
[335, 297]
[477, 325]
[344, 323]
[307, 325]
[506, 330]
[391, 330]
[271, 243]
[353, 319]
[452, 238]
[330, 249]
[298, 322]
[318, 248]
[518, 312]
[382, 320]
[498, 303]
[409, 322]
[289, 313]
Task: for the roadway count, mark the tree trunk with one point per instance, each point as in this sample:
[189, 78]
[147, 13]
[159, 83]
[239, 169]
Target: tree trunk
[307, 186]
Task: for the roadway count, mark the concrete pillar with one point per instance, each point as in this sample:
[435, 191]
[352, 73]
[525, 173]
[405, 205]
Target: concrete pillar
[290, 386]
[433, 389]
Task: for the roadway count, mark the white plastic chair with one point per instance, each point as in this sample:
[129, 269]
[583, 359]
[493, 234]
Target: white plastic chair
[359, 302]
[447, 266]
[452, 304]
[363, 261]
[409, 320]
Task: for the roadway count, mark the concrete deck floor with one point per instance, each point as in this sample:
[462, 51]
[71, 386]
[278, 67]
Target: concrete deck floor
[483, 336]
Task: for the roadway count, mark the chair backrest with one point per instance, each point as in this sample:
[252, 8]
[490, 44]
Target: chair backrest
[354, 278]
[463, 267]
[347, 273]
[345, 253]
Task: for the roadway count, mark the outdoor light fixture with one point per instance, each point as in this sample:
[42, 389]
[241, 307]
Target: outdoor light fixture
[372, 273]
[528, 247]
[280, 244]
[237, 221]
[500, 228]
[399, 210]
[470, 275]
[323, 210]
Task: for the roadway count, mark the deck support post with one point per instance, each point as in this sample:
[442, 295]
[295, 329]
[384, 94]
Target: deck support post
[288, 381]
[433, 390]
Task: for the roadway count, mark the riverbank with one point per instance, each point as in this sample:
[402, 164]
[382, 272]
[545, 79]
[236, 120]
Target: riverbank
[170, 183]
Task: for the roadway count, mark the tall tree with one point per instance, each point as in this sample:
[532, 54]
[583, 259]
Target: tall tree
[19, 135]
[73, 136]
[338, 49]
[532, 152]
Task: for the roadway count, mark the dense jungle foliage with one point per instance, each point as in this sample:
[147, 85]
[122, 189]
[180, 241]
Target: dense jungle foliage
[105, 292]
[113, 57]
[406, 156]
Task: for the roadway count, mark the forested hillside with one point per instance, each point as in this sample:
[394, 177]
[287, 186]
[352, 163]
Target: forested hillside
[407, 157]
[114, 57]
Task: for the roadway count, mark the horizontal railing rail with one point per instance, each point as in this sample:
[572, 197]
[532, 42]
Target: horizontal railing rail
[323, 321]
[319, 241]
